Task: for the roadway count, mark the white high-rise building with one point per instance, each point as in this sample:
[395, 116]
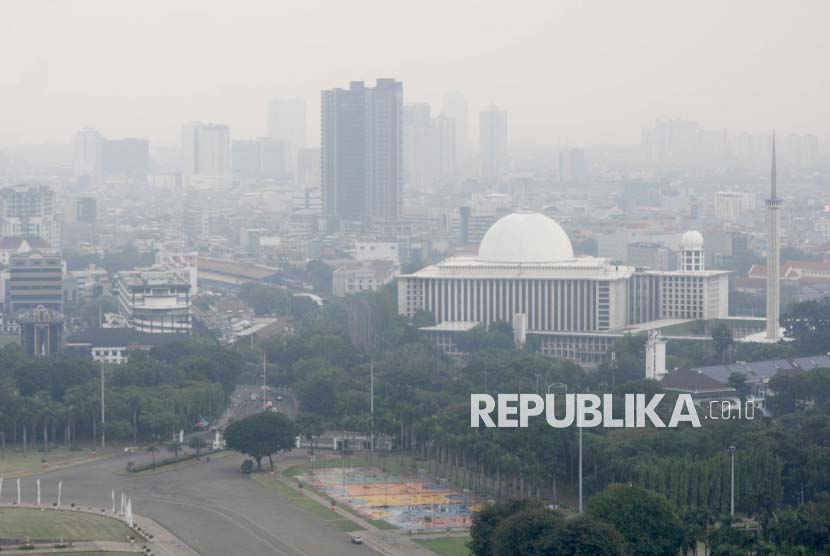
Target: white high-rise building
[493, 143]
[88, 152]
[428, 147]
[206, 155]
[773, 256]
[287, 122]
[30, 211]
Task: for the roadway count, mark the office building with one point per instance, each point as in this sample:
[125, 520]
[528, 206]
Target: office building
[35, 278]
[730, 205]
[88, 152]
[154, 300]
[30, 211]
[492, 146]
[361, 152]
[206, 155]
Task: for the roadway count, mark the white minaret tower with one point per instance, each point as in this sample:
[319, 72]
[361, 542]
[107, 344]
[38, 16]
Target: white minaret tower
[691, 252]
[773, 256]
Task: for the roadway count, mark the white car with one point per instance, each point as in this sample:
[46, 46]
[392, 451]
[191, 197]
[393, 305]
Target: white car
[357, 539]
[254, 397]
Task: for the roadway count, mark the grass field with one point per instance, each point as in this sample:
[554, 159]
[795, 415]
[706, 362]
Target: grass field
[450, 546]
[19, 523]
[327, 515]
[15, 465]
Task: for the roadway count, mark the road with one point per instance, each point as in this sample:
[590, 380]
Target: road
[212, 507]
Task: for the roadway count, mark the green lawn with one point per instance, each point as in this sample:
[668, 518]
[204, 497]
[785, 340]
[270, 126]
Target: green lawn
[19, 523]
[327, 515]
[449, 546]
[15, 465]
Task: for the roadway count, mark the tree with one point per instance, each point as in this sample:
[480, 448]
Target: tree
[488, 519]
[260, 435]
[645, 519]
[583, 536]
[522, 532]
[264, 300]
[196, 443]
[319, 274]
[152, 449]
[721, 338]
[738, 382]
[808, 323]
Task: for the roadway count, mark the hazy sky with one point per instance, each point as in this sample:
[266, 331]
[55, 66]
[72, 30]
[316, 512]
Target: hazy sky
[569, 72]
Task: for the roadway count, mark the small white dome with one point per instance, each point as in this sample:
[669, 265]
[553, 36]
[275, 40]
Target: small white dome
[525, 237]
[691, 240]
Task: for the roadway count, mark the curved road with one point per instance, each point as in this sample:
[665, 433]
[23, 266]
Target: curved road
[212, 507]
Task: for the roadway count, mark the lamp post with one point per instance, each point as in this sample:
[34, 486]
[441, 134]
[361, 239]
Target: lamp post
[103, 414]
[732, 482]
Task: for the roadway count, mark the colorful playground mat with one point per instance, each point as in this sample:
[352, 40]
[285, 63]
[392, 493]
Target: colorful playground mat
[414, 501]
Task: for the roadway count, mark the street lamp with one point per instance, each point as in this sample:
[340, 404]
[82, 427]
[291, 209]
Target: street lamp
[103, 413]
[732, 482]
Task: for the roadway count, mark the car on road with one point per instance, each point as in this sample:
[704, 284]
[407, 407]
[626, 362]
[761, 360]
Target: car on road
[357, 539]
[279, 398]
[254, 397]
[247, 466]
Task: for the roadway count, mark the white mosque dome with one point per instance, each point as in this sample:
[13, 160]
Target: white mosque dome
[525, 237]
[691, 240]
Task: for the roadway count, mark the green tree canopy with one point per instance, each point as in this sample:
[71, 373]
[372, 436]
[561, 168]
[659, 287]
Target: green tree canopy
[645, 519]
[261, 435]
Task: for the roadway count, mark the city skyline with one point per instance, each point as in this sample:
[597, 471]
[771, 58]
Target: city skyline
[601, 81]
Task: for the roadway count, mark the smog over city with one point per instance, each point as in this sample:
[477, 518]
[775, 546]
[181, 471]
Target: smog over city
[461, 278]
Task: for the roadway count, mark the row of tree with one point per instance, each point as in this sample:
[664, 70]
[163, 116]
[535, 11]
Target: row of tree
[58, 399]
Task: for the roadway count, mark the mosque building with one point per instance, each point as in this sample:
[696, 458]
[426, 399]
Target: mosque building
[526, 274]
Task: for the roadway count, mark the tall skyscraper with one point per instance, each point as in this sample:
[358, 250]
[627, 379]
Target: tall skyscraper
[455, 107]
[206, 155]
[286, 122]
[493, 143]
[88, 152]
[30, 211]
[361, 152]
[773, 255]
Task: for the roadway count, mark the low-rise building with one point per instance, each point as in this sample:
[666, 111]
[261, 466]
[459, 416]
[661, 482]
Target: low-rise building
[155, 301]
[357, 277]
